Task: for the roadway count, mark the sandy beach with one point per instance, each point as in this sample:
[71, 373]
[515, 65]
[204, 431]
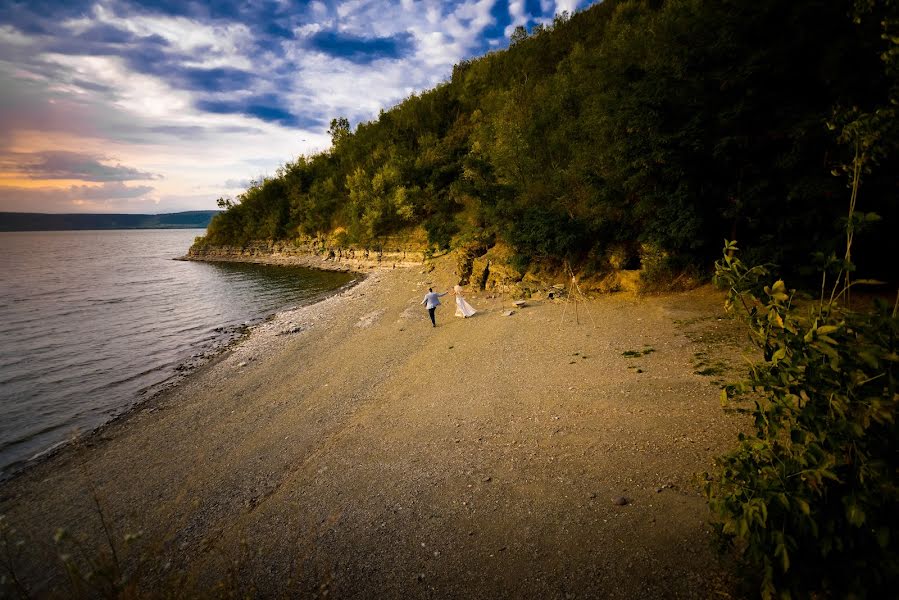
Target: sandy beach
[349, 450]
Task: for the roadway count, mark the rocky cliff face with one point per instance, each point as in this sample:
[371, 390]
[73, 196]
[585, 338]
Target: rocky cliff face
[314, 254]
[491, 271]
[494, 271]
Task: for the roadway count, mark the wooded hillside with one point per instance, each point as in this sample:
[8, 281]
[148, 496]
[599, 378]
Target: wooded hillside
[631, 133]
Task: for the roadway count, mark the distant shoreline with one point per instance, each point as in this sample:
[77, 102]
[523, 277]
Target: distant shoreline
[13, 221]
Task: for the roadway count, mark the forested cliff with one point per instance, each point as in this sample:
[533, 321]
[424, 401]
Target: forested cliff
[629, 133]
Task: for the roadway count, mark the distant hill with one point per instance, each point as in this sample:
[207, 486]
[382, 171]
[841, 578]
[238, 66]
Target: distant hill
[194, 219]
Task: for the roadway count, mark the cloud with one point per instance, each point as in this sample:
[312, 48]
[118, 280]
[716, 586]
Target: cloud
[152, 54]
[69, 165]
[194, 92]
[567, 5]
[238, 184]
[221, 9]
[201, 132]
[531, 12]
[37, 17]
[108, 197]
[108, 191]
[517, 15]
[213, 53]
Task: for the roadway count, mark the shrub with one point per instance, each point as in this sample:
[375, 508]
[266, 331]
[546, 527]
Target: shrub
[665, 272]
[809, 497]
[440, 230]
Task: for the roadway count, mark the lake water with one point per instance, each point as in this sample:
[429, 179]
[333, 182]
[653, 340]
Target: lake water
[93, 321]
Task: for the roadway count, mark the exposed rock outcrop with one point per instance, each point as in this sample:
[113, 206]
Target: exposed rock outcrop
[317, 254]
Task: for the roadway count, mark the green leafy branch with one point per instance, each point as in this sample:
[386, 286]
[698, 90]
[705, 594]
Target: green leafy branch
[809, 496]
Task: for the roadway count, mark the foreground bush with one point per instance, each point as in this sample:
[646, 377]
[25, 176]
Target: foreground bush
[809, 497]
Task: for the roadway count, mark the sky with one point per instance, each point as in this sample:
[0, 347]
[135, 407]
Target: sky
[167, 105]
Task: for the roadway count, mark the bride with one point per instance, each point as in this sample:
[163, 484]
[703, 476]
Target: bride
[463, 308]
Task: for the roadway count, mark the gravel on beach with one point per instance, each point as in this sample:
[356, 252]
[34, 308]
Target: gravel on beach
[348, 449]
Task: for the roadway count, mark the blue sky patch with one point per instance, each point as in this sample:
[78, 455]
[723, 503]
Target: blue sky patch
[266, 108]
[362, 50]
[222, 79]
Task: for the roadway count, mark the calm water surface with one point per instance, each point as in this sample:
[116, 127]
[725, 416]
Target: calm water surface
[93, 321]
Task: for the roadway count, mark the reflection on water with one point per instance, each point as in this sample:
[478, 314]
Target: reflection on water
[92, 321]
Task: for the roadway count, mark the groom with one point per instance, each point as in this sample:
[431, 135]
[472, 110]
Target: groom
[431, 302]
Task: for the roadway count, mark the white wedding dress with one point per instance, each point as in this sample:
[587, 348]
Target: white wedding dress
[463, 308]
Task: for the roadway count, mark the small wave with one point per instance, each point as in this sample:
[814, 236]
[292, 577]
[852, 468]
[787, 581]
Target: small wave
[106, 301]
[93, 332]
[30, 435]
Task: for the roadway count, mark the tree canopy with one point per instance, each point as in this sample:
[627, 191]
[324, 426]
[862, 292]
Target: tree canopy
[633, 127]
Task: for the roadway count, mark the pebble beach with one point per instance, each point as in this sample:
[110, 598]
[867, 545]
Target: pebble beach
[348, 449]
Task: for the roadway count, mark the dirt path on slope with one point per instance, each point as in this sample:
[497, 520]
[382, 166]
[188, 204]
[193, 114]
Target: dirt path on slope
[350, 450]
